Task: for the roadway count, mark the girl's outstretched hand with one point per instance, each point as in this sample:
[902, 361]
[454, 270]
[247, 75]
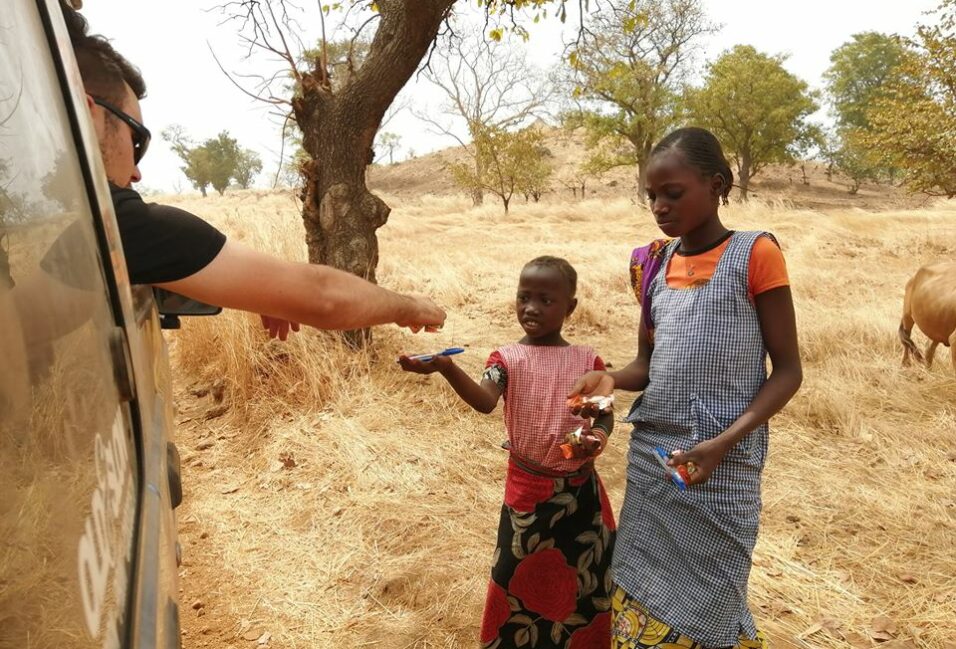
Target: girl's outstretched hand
[437, 364]
[595, 383]
[700, 461]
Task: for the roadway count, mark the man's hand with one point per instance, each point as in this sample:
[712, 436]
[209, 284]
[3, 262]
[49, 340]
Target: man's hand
[437, 364]
[596, 383]
[701, 461]
[278, 328]
[422, 314]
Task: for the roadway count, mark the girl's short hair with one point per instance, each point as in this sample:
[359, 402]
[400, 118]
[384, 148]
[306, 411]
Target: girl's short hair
[561, 265]
[701, 149]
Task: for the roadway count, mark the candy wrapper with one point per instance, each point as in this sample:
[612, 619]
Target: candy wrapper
[572, 443]
[678, 474]
[602, 403]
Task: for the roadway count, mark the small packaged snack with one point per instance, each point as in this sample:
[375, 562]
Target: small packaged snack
[572, 442]
[678, 474]
[602, 403]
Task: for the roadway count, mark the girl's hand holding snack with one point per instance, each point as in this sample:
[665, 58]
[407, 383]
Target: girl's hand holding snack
[579, 444]
[592, 384]
[700, 461]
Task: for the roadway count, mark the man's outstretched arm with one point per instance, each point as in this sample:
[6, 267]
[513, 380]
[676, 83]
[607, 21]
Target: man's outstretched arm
[319, 296]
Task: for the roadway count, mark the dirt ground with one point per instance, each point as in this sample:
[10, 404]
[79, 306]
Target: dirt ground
[333, 501]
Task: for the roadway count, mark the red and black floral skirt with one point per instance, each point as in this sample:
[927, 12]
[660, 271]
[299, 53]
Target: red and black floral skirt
[551, 580]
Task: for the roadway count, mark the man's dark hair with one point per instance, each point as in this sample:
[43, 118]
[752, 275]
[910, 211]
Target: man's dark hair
[104, 70]
[562, 266]
[701, 149]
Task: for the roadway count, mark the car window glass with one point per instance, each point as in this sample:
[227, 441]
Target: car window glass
[66, 458]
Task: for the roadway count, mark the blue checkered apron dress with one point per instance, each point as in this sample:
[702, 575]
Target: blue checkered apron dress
[686, 555]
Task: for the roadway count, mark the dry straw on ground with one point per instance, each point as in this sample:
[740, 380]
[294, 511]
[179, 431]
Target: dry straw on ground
[332, 501]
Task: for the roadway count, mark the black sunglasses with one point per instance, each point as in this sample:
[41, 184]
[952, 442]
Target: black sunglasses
[141, 134]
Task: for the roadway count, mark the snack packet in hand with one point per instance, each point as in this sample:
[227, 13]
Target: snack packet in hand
[599, 403]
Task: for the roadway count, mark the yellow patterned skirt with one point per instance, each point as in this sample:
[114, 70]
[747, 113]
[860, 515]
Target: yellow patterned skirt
[633, 628]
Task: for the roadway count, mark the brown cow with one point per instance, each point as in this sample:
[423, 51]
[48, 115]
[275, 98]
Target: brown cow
[930, 303]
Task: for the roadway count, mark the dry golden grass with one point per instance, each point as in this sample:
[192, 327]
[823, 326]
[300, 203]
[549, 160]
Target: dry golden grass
[362, 502]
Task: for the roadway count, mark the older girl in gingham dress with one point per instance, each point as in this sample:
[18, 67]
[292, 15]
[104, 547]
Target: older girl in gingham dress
[683, 558]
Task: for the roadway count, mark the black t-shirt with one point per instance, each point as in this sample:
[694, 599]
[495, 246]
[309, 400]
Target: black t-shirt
[161, 243]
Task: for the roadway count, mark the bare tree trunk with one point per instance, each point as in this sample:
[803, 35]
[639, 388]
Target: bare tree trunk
[477, 194]
[744, 175]
[643, 155]
[340, 215]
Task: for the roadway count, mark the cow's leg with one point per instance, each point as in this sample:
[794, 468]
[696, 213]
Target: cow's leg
[906, 327]
[930, 353]
[952, 349]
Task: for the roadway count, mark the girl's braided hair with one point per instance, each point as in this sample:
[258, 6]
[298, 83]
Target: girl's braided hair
[701, 150]
[565, 269]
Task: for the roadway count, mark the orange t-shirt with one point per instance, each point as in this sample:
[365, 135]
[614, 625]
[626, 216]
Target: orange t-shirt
[768, 270]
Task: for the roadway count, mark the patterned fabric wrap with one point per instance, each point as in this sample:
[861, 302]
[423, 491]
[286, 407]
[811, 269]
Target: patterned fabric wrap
[539, 379]
[686, 556]
[632, 627]
[550, 584]
[645, 264]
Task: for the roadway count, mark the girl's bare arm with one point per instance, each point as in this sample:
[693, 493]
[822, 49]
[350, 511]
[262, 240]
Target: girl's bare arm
[483, 396]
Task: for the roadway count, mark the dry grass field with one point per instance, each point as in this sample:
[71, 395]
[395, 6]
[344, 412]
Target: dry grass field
[333, 501]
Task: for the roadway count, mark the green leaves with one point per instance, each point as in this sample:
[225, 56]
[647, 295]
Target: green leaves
[625, 74]
[755, 107]
[861, 72]
[506, 162]
[215, 162]
[912, 125]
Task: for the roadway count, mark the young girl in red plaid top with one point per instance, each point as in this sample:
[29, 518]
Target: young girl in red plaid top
[550, 578]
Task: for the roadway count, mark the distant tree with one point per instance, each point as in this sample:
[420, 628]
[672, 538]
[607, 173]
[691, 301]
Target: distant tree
[537, 176]
[851, 157]
[913, 124]
[510, 161]
[756, 109]
[861, 72]
[223, 155]
[196, 164]
[248, 166]
[488, 85]
[627, 72]
[215, 162]
[389, 142]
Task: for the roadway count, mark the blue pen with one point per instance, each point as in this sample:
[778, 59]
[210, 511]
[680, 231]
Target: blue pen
[451, 351]
[662, 456]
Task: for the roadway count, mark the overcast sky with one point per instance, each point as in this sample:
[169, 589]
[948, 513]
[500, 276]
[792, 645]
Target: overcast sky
[170, 41]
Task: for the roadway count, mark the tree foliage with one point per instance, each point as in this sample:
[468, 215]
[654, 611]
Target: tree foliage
[861, 72]
[487, 85]
[627, 74]
[756, 109]
[913, 124]
[510, 162]
[248, 166]
[214, 163]
[389, 142]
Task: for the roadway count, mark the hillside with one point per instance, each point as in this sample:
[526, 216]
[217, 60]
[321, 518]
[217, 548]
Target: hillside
[428, 175]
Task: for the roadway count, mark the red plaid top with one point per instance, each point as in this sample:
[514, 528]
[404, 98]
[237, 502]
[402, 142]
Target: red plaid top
[537, 380]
